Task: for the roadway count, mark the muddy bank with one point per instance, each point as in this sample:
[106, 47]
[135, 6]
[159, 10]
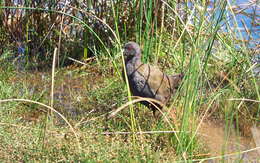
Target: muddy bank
[225, 140]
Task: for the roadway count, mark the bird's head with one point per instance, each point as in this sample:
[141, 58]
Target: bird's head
[176, 80]
[131, 49]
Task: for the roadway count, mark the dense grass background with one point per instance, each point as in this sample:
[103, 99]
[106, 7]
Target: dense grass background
[203, 39]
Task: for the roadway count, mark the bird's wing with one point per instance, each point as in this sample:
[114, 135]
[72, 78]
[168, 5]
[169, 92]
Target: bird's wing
[158, 82]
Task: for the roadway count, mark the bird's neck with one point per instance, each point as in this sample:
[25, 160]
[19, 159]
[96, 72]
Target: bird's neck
[132, 64]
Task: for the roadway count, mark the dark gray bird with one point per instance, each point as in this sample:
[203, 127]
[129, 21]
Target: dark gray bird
[148, 81]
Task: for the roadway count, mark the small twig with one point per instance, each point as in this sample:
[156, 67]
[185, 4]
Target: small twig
[140, 132]
[52, 76]
[243, 99]
[224, 156]
[74, 60]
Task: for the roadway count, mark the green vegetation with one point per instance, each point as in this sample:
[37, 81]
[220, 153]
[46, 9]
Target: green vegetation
[219, 85]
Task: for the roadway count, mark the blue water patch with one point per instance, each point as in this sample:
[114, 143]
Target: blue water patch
[248, 18]
[245, 24]
[256, 68]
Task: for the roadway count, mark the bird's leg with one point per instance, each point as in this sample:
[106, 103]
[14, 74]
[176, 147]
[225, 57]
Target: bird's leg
[157, 114]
